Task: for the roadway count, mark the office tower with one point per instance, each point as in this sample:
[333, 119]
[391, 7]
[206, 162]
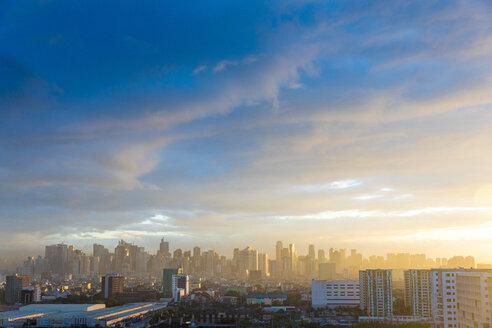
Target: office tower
[27, 269]
[418, 292]
[112, 285]
[327, 271]
[293, 256]
[13, 287]
[473, 291]
[355, 259]
[248, 260]
[335, 293]
[263, 263]
[287, 265]
[141, 260]
[196, 252]
[104, 259]
[57, 256]
[321, 256]
[235, 258]
[177, 254]
[311, 252]
[274, 268]
[337, 257]
[180, 285]
[167, 279]
[278, 251]
[164, 248]
[376, 292]
[41, 266]
[80, 264]
[125, 258]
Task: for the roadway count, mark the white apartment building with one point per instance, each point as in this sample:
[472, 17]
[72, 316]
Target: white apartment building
[474, 306]
[376, 292]
[418, 292]
[443, 297]
[335, 293]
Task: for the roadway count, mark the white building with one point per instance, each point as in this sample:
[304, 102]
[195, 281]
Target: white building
[180, 286]
[474, 306]
[335, 293]
[418, 292]
[376, 292]
[443, 297]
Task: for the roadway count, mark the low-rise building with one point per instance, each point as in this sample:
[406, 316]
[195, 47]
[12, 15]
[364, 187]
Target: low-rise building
[335, 293]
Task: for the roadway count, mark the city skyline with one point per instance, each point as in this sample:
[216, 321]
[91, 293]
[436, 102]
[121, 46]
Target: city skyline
[228, 124]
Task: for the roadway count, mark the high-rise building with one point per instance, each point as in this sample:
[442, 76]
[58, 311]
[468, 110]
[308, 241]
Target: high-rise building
[180, 285]
[473, 292]
[335, 293]
[321, 256]
[248, 260]
[278, 250]
[112, 285]
[167, 279]
[57, 256]
[327, 271]
[125, 257]
[443, 297]
[293, 256]
[418, 292]
[13, 287]
[263, 263]
[164, 248]
[103, 258]
[376, 292]
[311, 252]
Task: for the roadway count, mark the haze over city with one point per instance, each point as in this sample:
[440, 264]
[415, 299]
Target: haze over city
[345, 124]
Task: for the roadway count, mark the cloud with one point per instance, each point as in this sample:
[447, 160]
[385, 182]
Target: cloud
[222, 65]
[306, 96]
[199, 69]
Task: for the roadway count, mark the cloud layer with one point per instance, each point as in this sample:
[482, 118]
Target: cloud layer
[344, 124]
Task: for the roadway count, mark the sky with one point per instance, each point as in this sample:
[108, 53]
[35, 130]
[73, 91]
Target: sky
[346, 124]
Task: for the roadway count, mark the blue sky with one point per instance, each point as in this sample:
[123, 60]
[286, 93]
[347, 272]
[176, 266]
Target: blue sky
[340, 123]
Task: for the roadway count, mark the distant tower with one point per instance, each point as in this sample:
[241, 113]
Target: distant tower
[164, 248]
[312, 253]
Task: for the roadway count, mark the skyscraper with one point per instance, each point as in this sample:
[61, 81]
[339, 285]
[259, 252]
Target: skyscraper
[278, 253]
[248, 259]
[57, 256]
[164, 248]
[311, 252]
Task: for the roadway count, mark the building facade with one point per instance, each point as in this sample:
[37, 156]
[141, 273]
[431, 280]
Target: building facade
[112, 285]
[376, 292]
[473, 297]
[13, 287]
[335, 293]
[418, 292]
